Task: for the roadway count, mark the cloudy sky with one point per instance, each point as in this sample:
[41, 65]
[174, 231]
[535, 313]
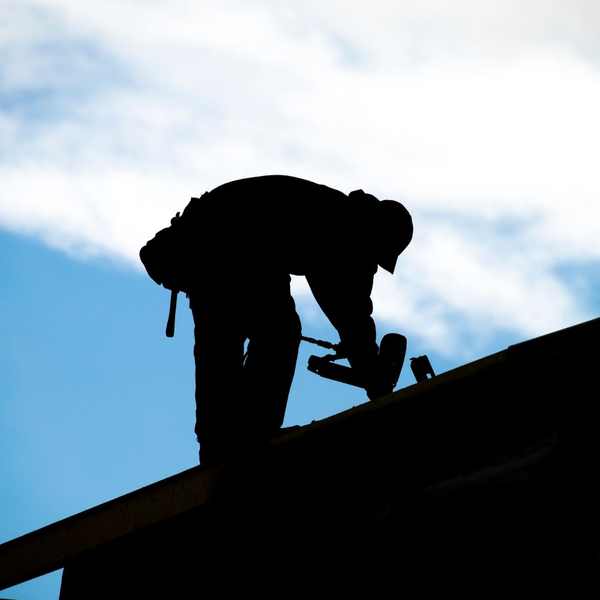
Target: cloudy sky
[481, 117]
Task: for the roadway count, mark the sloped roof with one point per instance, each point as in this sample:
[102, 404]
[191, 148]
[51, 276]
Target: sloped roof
[479, 432]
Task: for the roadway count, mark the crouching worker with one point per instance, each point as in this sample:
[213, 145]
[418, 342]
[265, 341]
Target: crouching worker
[233, 252]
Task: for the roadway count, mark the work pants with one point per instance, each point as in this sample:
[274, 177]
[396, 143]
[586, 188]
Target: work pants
[241, 397]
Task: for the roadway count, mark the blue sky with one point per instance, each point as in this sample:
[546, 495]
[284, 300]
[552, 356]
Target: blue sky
[480, 117]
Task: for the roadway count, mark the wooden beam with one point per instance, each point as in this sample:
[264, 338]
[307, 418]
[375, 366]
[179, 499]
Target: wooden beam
[46, 550]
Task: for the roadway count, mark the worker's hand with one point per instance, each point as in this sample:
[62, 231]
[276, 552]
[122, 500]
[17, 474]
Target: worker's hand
[378, 388]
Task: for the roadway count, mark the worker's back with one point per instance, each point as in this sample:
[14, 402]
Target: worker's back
[277, 221]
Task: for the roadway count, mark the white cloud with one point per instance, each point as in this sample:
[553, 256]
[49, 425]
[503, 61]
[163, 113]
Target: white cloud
[454, 287]
[481, 117]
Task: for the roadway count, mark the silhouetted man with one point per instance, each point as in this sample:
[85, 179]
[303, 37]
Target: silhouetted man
[249, 236]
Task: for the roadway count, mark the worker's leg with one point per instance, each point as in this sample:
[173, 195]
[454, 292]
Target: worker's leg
[274, 337]
[219, 354]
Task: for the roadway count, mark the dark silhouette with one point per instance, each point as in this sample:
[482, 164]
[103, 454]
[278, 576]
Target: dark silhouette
[233, 251]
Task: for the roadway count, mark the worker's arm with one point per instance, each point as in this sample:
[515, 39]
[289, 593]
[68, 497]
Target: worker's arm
[344, 295]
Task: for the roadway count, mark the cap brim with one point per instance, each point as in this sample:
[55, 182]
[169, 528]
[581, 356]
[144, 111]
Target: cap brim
[389, 264]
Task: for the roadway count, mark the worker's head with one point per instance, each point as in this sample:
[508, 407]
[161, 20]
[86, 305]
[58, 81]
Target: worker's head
[394, 233]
